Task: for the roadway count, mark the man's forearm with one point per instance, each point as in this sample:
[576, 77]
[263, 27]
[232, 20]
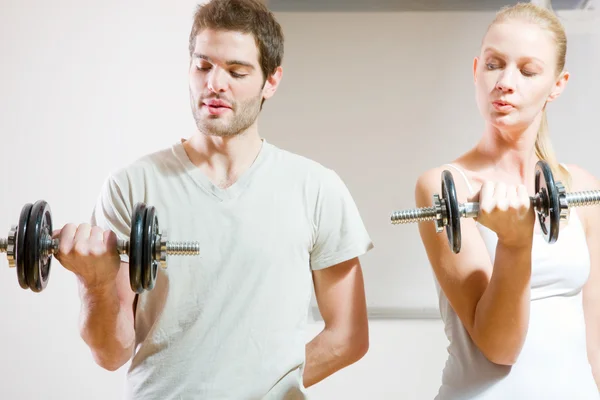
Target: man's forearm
[326, 354]
[104, 327]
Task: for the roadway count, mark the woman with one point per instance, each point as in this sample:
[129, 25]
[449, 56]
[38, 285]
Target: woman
[522, 316]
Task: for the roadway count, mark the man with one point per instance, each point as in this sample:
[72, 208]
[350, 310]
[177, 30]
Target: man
[228, 324]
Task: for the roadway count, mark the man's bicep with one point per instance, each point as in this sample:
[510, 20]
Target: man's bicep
[340, 295]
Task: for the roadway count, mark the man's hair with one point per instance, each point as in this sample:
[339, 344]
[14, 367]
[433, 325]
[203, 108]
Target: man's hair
[247, 16]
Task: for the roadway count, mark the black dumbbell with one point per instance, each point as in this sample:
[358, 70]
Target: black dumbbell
[30, 247]
[551, 203]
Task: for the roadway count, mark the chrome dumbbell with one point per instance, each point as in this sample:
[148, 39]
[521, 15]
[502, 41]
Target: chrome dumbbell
[29, 247]
[551, 203]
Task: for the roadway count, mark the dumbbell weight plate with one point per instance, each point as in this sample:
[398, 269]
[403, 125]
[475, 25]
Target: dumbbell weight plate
[20, 245]
[452, 212]
[545, 187]
[37, 257]
[136, 246]
[149, 263]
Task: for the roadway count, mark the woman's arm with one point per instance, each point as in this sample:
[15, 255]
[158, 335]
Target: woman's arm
[492, 301]
[590, 216]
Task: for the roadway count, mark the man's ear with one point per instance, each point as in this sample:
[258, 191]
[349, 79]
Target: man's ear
[272, 83]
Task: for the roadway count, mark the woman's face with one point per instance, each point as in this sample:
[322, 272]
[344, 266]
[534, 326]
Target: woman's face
[515, 74]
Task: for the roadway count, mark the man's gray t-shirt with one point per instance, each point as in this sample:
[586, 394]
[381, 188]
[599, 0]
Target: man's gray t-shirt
[230, 323]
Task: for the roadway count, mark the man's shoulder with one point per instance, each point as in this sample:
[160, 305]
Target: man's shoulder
[302, 165]
[153, 164]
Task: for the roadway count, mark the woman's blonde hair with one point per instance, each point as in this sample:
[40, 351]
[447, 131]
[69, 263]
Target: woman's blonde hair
[546, 19]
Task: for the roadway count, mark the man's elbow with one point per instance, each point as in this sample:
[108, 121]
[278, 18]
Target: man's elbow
[109, 353]
[355, 345]
[109, 363]
[109, 366]
[110, 357]
[360, 348]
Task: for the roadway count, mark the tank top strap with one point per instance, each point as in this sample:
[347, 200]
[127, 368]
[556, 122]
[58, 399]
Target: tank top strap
[462, 173]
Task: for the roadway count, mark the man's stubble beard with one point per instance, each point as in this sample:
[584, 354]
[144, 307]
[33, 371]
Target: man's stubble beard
[244, 115]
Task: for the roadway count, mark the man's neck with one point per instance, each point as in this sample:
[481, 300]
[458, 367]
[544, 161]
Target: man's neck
[223, 159]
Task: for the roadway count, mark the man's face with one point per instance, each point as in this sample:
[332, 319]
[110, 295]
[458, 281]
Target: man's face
[226, 82]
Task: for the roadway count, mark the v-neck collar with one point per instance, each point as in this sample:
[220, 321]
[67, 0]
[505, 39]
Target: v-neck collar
[231, 192]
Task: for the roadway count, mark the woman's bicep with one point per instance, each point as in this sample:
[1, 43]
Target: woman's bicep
[463, 277]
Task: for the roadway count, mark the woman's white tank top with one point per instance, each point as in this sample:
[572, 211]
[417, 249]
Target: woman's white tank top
[553, 362]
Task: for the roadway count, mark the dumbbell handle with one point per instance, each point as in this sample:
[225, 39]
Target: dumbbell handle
[50, 247]
[466, 210]
[471, 209]
[172, 248]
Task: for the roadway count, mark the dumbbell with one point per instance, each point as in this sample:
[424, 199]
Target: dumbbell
[551, 203]
[29, 247]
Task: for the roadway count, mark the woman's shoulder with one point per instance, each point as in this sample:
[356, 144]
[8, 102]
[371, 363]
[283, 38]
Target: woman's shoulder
[429, 182]
[581, 178]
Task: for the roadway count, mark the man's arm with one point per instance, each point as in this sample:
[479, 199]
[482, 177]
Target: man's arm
[107, 321]
[107, 313]
[340, 295]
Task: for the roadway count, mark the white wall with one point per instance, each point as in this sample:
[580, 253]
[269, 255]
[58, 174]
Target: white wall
[404, 361]
[86, 87]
